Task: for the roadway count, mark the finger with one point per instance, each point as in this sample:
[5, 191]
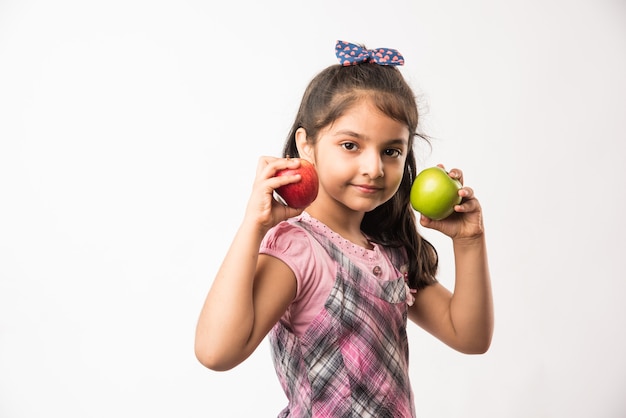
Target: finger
[466, 193]
[269, 166]
[277, 181]
[471, 205]
[425, 221]
[457, 174]
[262, 162]
[283, 163]
[454, 173]
[287, 211]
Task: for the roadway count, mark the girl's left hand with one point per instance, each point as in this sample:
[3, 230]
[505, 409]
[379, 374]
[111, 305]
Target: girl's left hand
[467, 221]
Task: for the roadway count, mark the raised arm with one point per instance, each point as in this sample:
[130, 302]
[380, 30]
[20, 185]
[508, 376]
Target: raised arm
[250, 291]
[462, 319]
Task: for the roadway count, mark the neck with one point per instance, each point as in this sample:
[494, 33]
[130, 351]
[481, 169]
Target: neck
[346, 225]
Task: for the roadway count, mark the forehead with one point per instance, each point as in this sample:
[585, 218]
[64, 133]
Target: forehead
[364, 116]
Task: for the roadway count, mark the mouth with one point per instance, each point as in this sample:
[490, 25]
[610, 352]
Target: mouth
[367, 188]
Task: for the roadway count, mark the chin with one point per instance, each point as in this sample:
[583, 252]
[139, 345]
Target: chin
[364, 206]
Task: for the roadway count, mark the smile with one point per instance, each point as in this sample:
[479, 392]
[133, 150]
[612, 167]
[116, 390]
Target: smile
[367, 188]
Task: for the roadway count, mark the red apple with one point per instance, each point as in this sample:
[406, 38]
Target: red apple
[301, 194]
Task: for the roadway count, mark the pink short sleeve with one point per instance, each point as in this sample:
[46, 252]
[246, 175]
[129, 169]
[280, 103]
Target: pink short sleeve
[312, 266]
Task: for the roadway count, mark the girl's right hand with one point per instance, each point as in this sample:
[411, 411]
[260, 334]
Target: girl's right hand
[262, 208]
[251, 291]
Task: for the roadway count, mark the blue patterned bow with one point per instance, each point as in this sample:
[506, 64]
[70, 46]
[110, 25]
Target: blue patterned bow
[351, 54]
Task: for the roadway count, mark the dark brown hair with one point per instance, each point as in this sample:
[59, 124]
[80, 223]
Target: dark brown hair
[333, 91]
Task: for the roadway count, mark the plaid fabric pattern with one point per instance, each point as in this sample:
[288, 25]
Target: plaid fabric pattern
[353, 359]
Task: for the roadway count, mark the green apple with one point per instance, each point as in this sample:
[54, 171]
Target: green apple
[434, 193]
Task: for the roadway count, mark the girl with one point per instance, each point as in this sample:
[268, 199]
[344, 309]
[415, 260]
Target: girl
[333, 285]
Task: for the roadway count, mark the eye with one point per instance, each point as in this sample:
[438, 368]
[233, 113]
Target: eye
[392, 152]
[349, 146]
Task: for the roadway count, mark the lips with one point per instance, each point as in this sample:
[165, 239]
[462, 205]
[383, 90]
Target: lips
[367, 188]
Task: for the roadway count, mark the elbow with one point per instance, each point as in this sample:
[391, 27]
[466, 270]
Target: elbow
[478, 349]
[210, 362]
[480, 341]
[214, 358]
[213, 361]
[477, 346]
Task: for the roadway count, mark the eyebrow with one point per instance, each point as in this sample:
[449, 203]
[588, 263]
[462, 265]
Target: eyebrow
[399, 141]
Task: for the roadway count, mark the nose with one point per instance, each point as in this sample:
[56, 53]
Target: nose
[372, 165]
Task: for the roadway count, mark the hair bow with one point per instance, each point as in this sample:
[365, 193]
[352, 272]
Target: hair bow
[351, 54]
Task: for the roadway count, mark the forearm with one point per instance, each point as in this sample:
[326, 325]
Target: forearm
[471, 305]
[227, 317]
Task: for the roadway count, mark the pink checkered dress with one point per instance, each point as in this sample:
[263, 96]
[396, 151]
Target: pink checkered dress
[353, 359]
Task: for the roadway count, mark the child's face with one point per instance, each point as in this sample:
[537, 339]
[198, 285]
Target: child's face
[360, 159]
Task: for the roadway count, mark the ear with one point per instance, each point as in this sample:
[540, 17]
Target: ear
[305, 149]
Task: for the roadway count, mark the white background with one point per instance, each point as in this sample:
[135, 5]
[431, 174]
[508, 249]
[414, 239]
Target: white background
[129, 136]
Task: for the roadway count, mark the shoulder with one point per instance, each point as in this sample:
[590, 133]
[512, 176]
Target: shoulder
[299, 250]
[287, 236]
[294, 246]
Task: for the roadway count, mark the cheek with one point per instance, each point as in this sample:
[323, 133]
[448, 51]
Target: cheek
[395, 175]
[330, 175]
[394, 180]
[396, 184]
